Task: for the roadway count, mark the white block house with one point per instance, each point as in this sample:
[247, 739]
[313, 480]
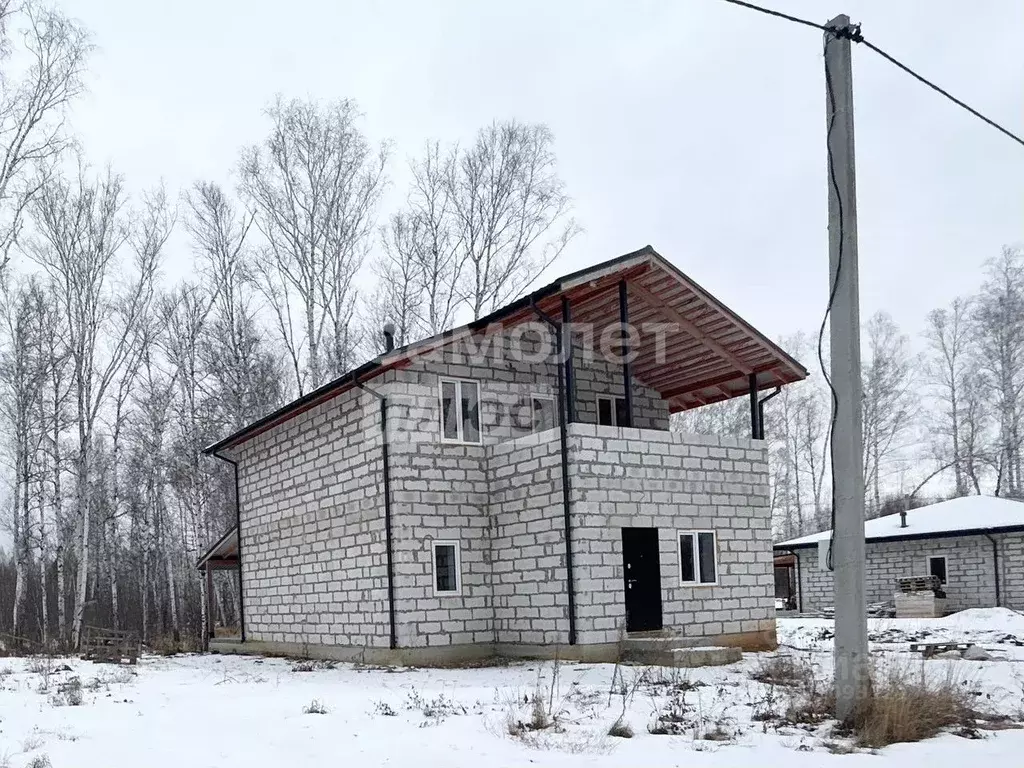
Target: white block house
[974, 545]
[512, 486]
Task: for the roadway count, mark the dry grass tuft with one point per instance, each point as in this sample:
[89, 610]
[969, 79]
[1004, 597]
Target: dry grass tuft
[315, 707]
[783, 671]
[906, 705]
[621, 729]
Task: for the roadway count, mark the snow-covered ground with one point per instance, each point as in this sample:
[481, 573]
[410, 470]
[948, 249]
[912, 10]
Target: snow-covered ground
[216, 711]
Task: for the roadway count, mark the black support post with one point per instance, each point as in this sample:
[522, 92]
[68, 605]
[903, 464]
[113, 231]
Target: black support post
[570, 375]
[627, 388]
[755, 426]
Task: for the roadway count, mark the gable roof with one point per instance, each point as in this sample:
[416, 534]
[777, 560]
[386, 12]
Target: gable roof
[967, 515]
[711, 359]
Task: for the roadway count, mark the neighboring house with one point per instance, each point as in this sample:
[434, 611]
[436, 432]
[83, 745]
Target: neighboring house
[528, 498]
[974, 545]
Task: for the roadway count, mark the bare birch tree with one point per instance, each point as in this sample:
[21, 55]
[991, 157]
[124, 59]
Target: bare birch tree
[511, 212]
[24, 368]
[421, 266]
[43, 55]
[82, 228]
[951, 365]
[999, 323]
[889, 402]
[245, 374]
[314, 186]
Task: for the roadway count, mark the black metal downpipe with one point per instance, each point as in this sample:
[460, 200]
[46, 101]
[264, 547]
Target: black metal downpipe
[563, 434]
[995, 566]
[760, 410]
[238, 534]
[570, 374]
[388, 545]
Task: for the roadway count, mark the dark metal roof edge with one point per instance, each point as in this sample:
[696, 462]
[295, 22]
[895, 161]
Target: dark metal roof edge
[367, 369]
[914, 536]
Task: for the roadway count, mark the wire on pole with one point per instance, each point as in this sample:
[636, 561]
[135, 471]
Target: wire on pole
[854, 34]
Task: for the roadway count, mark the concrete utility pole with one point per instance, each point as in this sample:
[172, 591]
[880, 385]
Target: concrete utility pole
[851, 644]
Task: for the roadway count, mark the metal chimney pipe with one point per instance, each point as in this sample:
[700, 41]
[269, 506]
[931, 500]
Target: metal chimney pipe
[903, 512]
[389, 336]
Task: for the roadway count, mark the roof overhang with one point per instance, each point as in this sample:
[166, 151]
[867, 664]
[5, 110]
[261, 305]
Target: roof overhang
[223, 553]
[790, 546]
[703, 353]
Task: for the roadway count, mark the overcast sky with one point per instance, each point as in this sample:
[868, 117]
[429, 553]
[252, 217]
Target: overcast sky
[692, 125]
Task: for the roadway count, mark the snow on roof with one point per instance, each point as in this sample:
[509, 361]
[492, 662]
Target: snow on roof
[968, 513]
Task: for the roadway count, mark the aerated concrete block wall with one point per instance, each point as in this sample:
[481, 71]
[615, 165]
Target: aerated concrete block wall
[442, 491]
[312, 520]
[673, 482]
[312, 528]
[528, 570]
[970, 571]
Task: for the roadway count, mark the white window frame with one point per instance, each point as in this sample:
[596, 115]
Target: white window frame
[533, 409]
[928, 566]
[458, 568]
[615, 411]
[696, 557]
[459, 416]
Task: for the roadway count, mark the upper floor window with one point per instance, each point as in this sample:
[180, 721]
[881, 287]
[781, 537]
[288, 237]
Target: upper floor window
[460, 411]
[611, 411]
[543, 412]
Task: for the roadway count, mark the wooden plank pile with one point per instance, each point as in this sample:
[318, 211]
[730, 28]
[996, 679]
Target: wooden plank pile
[114, 646]
[928, 650]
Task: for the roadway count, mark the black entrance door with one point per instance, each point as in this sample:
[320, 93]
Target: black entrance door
[643, 579]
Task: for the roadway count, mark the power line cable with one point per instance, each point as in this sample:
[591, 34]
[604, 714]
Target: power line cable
[834, 288]
[779, 14]
[937, 89]
[853, 32]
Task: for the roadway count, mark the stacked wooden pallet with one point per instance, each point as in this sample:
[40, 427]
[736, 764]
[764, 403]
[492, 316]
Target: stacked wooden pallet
[919, 597]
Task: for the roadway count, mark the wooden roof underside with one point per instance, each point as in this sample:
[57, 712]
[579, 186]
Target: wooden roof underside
[708, 357]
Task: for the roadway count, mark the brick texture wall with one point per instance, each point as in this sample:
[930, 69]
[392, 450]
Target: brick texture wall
[528, 544]
[312, 513]
[312, 528]
[441, 491]
[672, 482]
[970, 572]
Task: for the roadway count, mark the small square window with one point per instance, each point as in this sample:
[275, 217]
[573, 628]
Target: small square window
[611, 411]
[460, 411]
[698, 557]
[543, 412]
[937, 567]
[447, 568]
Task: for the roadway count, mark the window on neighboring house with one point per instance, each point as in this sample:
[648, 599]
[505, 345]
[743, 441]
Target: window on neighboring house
[460, 411]
[543, 412]
[698, 557]
[447, 579]
[937, 567]
[611, 411]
